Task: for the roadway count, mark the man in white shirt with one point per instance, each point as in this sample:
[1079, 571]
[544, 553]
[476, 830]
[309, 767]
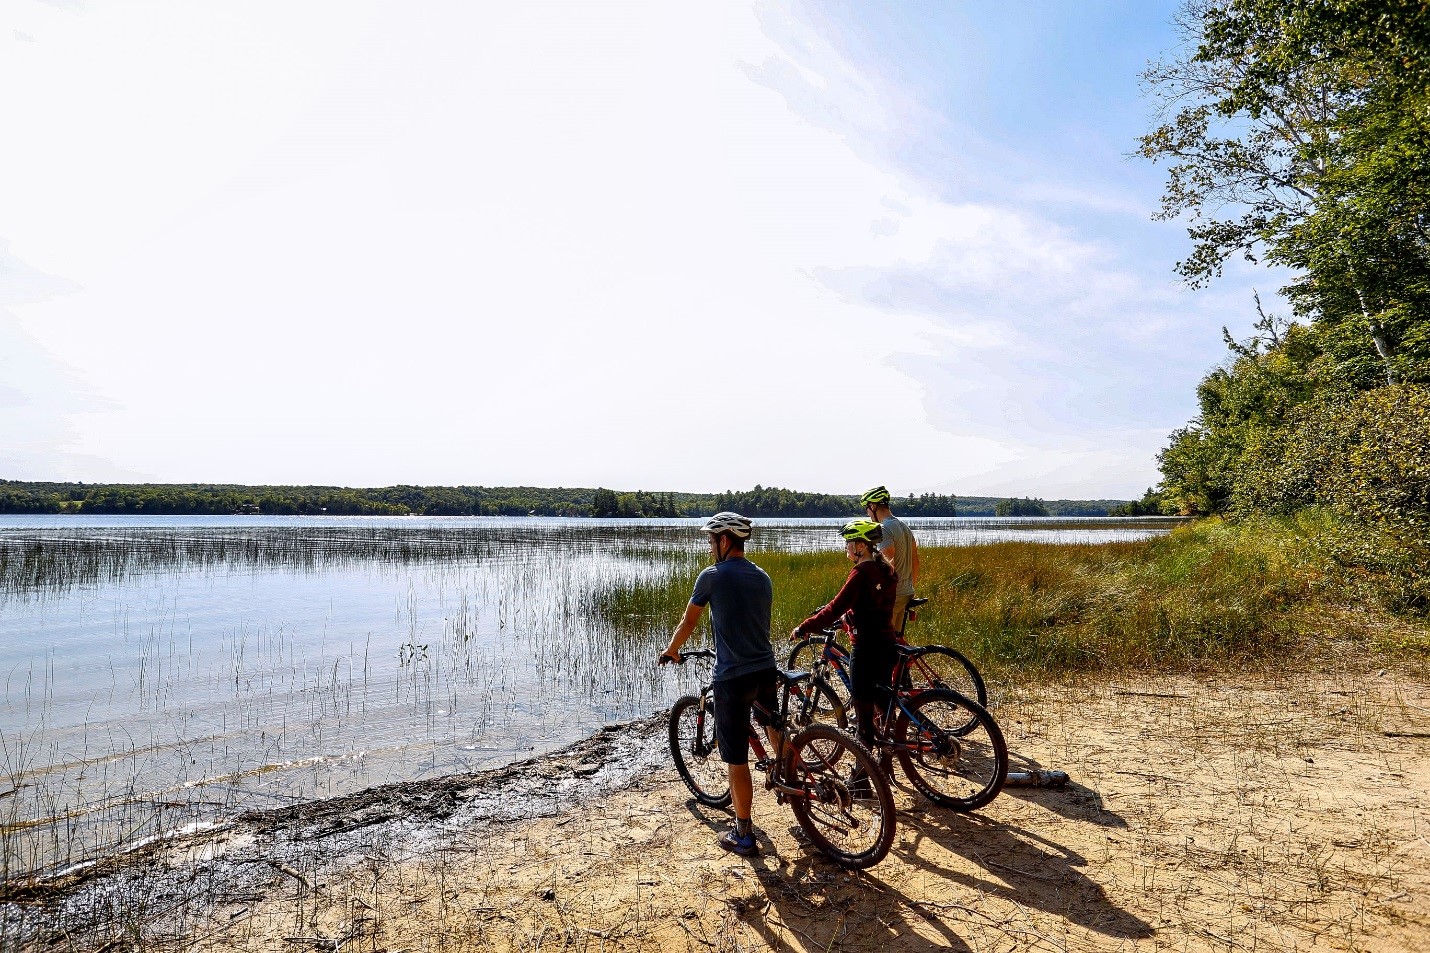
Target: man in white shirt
[899, 546]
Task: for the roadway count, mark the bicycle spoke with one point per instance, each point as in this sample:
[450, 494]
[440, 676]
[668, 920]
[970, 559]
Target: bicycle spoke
[943, 667]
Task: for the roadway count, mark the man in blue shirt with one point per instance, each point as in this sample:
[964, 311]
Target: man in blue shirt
[739, 596]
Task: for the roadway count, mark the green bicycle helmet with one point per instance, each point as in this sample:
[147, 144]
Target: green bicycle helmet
[867, 530]
[879, 495]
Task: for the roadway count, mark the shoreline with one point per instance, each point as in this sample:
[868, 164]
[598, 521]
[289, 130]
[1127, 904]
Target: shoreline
[541, 785]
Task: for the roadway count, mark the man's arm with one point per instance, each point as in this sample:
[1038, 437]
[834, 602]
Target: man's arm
[683, 631]
[914, 566]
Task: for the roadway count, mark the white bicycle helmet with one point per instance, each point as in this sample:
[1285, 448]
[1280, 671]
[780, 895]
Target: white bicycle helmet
[727, 522]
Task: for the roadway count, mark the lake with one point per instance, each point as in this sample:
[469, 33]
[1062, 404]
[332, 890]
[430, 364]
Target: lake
[164, 673]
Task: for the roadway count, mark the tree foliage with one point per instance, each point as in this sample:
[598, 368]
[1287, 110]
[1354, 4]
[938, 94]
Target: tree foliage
[1020, 507]
[1298, 132]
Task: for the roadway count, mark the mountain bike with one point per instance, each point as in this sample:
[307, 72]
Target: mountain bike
[828, 779]
[939, 667]
[947, 744]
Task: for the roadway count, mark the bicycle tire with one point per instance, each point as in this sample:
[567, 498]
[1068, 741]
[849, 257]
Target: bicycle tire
[951, 750]
[692, 745]
[806, 650]
[852, 827]
[943, 667]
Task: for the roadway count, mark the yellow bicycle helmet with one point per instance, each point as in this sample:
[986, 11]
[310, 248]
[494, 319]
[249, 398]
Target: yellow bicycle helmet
[878, 495]
[867, 530]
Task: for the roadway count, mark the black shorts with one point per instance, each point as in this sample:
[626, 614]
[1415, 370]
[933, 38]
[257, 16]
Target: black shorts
[871, 669]
[733, 700]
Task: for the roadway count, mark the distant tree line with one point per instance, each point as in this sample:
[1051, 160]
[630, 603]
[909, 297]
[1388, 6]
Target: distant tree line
[988, 506]
[777, 501]
[1149, 505]
[166, 499]
[640, 503]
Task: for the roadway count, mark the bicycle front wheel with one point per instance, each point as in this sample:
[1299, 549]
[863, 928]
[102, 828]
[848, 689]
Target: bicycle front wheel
[692, 745]
[805, 657]
[809, 701]
[951, 749]
[846, 807]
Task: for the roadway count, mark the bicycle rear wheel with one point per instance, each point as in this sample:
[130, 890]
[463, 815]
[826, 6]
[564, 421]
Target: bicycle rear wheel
[951, 749]
[692, 745]
[847, 808]
[942, 667]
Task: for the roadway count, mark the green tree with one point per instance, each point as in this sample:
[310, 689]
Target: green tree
[1023, 507]
[605, 503]
[1297, 132]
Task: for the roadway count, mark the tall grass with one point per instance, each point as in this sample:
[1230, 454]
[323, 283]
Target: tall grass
[1210, 594]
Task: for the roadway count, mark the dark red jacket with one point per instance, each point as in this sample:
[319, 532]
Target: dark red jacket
[869, 591]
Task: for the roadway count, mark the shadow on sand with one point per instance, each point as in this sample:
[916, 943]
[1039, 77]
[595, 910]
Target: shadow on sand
[808, 904]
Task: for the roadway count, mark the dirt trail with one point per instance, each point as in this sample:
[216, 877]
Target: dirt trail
[1203, 816]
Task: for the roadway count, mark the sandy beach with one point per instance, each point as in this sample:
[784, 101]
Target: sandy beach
[1269, 813]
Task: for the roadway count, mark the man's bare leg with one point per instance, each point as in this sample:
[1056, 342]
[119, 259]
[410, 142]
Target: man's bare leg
[742, 790]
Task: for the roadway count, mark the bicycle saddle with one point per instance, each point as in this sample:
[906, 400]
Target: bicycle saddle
[911, 651]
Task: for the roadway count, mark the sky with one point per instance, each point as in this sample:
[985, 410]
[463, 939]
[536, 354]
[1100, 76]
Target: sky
[637, 245]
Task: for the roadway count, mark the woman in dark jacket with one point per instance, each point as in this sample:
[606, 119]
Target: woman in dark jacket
[869, 592]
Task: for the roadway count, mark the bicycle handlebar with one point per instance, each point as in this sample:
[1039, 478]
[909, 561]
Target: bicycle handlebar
[698, 653]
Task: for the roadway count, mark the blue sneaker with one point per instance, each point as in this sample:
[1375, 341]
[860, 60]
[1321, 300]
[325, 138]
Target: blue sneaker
[744, 846]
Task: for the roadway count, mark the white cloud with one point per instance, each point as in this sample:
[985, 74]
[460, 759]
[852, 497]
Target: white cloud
[39, 393]
[491, 244]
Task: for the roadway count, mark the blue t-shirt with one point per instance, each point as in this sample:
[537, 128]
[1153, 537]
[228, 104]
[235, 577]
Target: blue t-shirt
[739, 595]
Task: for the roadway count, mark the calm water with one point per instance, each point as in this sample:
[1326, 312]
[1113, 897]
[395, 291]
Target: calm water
[170, 671]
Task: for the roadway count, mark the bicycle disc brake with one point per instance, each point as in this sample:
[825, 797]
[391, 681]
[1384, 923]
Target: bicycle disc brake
[829, 790]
